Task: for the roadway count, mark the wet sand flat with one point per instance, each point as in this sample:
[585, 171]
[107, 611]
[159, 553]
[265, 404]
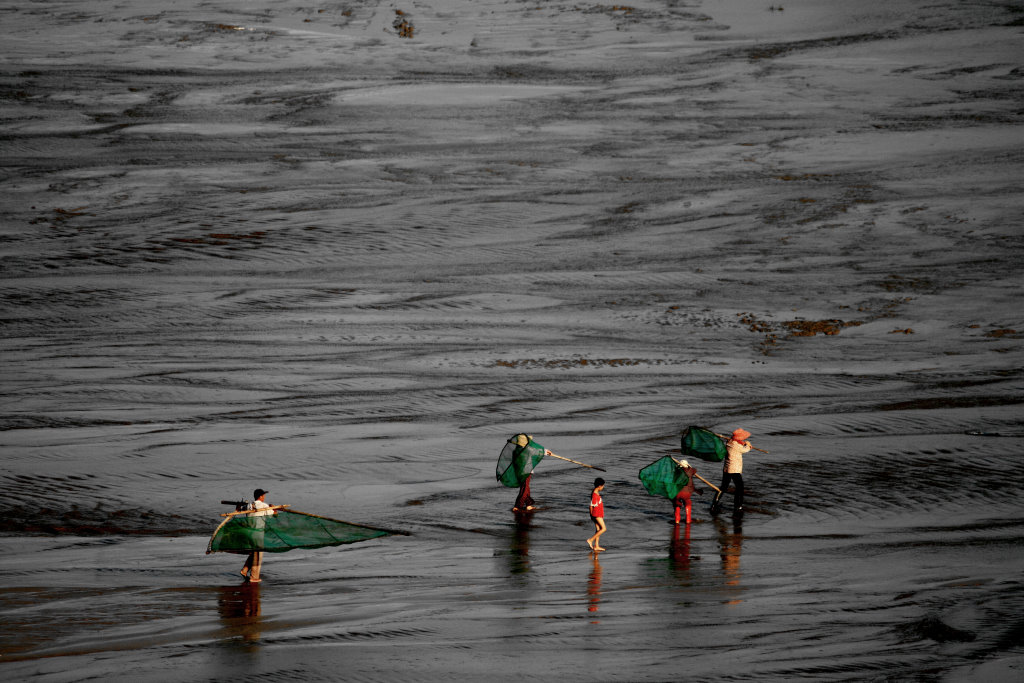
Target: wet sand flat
[342, 252]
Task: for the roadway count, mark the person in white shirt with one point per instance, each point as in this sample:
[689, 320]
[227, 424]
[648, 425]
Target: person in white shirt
[732, 468]
[251, 570]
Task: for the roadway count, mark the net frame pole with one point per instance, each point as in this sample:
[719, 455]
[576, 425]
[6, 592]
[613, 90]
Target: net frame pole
[727, 438]
[249, 512]
[577, 462]
[363, 526]
[698, 476]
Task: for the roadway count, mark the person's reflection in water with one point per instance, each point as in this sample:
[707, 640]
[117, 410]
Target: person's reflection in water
[239, 609]
[519, 547]
[594, 588]
[679, 549]
[730, 543]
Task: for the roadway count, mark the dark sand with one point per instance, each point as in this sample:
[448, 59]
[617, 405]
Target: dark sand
[281, 245]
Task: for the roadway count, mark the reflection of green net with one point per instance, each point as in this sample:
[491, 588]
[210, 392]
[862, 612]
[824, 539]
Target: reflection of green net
[698, 442]
[517, 460]
[286, 530]
[664, 477]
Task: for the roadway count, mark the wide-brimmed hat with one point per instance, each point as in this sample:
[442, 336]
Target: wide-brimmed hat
[740, 435]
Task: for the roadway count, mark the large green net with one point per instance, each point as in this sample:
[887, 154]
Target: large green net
[517, 460]
[247, 532]
[664, 477]
[698, 442]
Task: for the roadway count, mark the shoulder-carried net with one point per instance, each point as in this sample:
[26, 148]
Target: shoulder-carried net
[287, 530]
[664, 477]
[517, 460]
[698, 442]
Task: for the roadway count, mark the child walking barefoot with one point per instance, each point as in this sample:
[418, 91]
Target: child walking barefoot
[597, 514]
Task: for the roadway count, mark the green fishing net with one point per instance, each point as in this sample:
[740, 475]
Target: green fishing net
[286, 530]
[517, 460]
[698, 442]
[664, 477]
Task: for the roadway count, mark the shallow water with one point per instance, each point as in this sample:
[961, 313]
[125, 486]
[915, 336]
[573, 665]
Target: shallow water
[285, 247]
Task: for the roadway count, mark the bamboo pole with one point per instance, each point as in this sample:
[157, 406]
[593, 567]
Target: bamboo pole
[722, 436]
[708, 482]
[577, 462]
[249, 512]
[363, 526]
[699, 477]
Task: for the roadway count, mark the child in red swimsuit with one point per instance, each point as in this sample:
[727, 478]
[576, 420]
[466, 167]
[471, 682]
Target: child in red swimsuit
[597, 514]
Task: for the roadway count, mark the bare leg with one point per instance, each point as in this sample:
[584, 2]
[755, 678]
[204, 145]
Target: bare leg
[247, 567]
[601, 528]
[257, 564]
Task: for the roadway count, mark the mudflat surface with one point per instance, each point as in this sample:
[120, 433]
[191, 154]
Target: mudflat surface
[342, 252]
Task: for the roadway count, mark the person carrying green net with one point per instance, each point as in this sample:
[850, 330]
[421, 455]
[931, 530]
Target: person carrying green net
[515, 468]
[519, 456]
[732, 468]
[251, 570]
[258, 527]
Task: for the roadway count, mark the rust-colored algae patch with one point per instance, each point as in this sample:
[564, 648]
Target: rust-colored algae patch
[792, 328]
[809, 328]
[64, 214]
[999, 334]
[771, 339]
[897, 283]
[566, 363]
[60, 216]
[403, 25]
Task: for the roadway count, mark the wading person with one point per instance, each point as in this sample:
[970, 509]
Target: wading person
[597, 514]
[523, 460]
[732, 468]
[251, 570]
[524, 503]
[683, 497]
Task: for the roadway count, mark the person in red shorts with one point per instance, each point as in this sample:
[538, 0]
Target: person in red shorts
[597, 514]
[524, 503]
[683, 497]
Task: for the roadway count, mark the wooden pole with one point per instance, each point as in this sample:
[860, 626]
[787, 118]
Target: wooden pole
[699, 477]
[362, 526]
[249, 512]
[708, 483]
[577, 462]
[722, 436]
